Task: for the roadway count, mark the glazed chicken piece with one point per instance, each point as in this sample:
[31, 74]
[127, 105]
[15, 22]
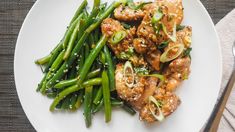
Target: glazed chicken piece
[169, 103]
[153, 58]
[138, 61]
[128, 93]
[173, 12]
[149, 90]
[145, 29]
[125, 13]
[179, 70]
[110, 26]
[142, 45]
[184, 36]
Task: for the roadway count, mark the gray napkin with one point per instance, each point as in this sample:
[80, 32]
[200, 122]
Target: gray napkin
[226, 31]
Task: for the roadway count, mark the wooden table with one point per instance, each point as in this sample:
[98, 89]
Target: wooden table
[12, 14]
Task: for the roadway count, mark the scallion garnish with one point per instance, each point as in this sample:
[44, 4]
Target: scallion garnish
[161, 77]
[160, 117]
[163, 45]
[187, 52]
[157, 16]
[129, 74]
[165, 56]
[137, 7]
[173, 36]
[117, 37]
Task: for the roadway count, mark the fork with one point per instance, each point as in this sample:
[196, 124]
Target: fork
[214, 120]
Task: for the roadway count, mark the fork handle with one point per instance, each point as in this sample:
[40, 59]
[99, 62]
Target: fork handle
[214, 120]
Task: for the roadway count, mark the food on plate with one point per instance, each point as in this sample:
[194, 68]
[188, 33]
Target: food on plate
[129, 54]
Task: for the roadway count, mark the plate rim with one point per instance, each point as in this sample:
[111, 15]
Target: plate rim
[33, 123]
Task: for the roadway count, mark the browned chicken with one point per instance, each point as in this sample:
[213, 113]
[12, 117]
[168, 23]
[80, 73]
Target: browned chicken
[184, 36]
[145, 29]
[169, 103]
[153, 58]
[140, 46]
[149, 90]
[110, 26]
[125, 13]
[128, 93]
[173, 12]
[178, 71]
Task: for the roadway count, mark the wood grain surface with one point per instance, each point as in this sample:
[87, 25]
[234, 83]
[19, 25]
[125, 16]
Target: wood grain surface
[12, 14]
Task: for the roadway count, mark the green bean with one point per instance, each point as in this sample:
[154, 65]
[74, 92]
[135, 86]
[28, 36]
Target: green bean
[115, 102]
[96, 3]
[72, 72]
[41, 83]
[129, 109]
[79, 10]
[60, 73]
[96, 35]
[106, 96]
[66, 83]
[43, 60]
[53, 68]
[91, 82]
[98, 96]
[73, 101]
[81, 61]
[102, 58]
[72, 38]
[110, 68]
[98, 107]
[87, 50]
[66, 102]
[79, 100]
[94, 73]
[51, 95]
[56, 64]
[63, 94]
[58, 106]
[70, 82]
[91, 40]
[90, 59]
[88, 21]
[87, 105]
[74, 88]
[54, 55]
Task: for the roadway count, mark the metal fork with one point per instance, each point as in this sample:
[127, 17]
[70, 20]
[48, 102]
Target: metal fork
[214, 120]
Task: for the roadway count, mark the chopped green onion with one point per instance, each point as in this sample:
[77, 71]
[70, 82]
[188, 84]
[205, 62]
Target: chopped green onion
[165, 58]
[161, 77]
[157, 16]
[126, 26]
[117, 37]
[187, 52]
[179, 27]
[141, 70]
[127, 54]
[163, 45]
[137, 7]
[128, 72]
[173, 36]
[160, 117]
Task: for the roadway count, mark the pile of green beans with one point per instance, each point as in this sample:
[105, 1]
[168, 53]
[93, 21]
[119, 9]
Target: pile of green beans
[80, 70]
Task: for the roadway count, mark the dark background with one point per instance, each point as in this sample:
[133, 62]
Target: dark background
[12, 14]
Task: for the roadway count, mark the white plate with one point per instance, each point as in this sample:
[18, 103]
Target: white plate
[43, 28]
